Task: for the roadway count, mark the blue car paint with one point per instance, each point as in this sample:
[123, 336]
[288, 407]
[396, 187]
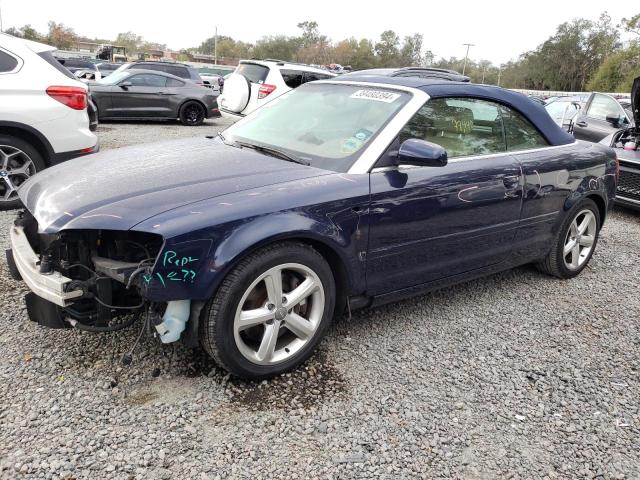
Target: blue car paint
[395, 232]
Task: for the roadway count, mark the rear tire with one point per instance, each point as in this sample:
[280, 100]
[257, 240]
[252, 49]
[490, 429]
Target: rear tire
[254, 328]
[19, 160]
[575, 242]
[192, 114]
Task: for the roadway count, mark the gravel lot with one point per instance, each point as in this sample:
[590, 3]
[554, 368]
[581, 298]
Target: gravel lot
[513, 376]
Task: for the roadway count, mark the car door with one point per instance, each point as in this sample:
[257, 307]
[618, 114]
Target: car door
[429, 223]
[141, 96]
[592, 124]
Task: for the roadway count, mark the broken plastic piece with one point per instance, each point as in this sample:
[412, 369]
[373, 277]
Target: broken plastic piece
[174, 320]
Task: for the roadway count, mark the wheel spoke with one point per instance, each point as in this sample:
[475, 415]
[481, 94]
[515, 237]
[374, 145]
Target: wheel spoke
[4, 160]
[273, 282]
[251, 318]
[584, 224]
[586, 240]
[299, 326]
[568, 247]
[575, 255]
[10, 189]
[301, 292]
[268, 343]
[23, 170]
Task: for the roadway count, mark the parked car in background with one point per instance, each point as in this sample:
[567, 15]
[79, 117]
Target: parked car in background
[214, 82]
[256, 82]
[345, 192]
[83, 69]
[107, 68]
[152, 95]
[43, 114]
[602, 115]
[418, 72]
[220, 70]
[563, 111]
[178, 69]
[626, 143]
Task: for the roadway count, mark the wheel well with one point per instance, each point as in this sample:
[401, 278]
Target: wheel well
[30, 138]
[602, 207]
[340, 275]
[204, 107]
[338, 268]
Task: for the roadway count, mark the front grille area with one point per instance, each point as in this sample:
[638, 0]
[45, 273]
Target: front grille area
[629, 182]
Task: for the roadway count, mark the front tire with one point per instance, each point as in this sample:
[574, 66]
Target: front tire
[18, 161]
[575, 242]
[270, 312]
[192, 114]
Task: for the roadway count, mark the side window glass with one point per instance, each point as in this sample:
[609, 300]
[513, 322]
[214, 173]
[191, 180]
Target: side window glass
[519, 132]
[172, 82]
[7, 62]
[293, 78]
[462, 126]
[313, 76]
[603, 105]
[147, 80]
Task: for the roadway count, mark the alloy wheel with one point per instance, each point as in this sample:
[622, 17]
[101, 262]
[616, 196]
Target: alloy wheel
[193, 114]
[580, 239]
[15, 168]
[279, 314]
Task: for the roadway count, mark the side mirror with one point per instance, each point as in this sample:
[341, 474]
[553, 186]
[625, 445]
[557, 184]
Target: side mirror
[421, 153]
[613, 119]
[124, 85]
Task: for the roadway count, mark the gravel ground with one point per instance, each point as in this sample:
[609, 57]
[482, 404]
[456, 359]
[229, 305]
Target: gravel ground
[121, 134]
[517, 375]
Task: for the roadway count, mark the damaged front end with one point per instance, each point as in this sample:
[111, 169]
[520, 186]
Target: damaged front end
[94, 280]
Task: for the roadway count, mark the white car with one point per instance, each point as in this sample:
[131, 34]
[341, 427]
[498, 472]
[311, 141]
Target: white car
[43, 114]
[211, 81]
[256, 82]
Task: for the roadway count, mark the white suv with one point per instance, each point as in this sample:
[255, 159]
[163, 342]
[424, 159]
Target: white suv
[43, 114]
[256, 82]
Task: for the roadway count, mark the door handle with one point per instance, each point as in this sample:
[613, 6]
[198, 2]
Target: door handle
[511, 182]
[166, 93]
[581, 123]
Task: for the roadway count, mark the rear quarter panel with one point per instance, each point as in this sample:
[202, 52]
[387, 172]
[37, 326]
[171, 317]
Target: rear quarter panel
[555, 179]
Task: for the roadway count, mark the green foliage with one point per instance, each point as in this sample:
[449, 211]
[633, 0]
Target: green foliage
[617, 72]
[60, 36]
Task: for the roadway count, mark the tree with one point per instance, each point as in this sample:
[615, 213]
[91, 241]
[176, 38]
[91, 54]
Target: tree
[411, 51]
[278, 46]
[310, 34]
[27, 32]
[632, 25]
[61, 36]
[130, 41]
[387, 49]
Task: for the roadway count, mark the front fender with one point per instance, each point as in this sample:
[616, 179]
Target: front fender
[206, 255]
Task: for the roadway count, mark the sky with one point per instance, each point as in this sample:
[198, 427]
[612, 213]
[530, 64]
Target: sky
[499, 30]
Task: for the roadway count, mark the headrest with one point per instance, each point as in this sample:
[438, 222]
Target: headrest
[458, 120]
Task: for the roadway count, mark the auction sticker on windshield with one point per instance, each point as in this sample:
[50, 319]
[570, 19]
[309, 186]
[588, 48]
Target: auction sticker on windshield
[377, 95]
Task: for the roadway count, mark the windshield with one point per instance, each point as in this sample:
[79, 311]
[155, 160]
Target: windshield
[114, 78]
[562, 111]
[327, 125]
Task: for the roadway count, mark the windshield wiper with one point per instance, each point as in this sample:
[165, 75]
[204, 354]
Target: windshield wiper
[274, 152]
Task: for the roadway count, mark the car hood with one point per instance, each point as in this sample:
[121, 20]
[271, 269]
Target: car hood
[117, 189]
[635, 101]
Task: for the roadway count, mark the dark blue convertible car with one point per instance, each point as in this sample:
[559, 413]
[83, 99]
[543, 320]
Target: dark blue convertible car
[339, 195]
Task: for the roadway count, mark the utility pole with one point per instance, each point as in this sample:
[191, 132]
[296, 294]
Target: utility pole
[484, 69]
[215, 48]
[1, 29]
[469, 45]
[499, 74]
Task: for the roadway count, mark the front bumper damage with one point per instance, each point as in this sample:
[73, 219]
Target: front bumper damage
[74, 283]
[53, 287]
